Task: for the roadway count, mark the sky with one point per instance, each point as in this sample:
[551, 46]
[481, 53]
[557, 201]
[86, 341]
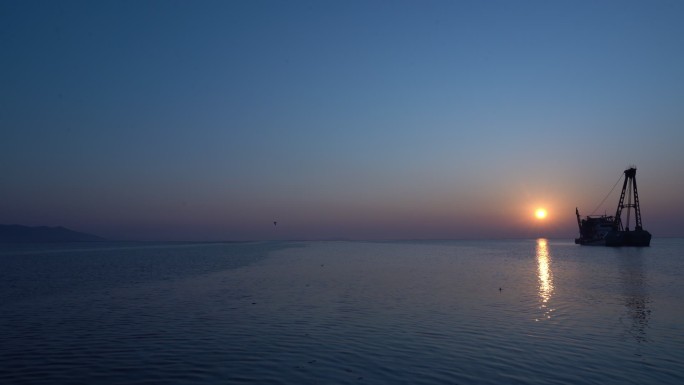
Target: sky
[182, 120]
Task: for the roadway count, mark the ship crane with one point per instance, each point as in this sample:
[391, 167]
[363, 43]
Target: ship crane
[630, 187]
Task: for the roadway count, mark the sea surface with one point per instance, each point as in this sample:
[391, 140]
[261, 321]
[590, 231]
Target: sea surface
[532, 311]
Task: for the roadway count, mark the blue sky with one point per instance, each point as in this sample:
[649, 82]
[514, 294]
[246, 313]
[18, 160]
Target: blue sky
[210, 120]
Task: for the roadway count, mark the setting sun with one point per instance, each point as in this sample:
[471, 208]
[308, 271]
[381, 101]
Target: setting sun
[540, 213]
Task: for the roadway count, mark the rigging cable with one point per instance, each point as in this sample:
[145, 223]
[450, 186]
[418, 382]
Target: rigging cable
[607, 195]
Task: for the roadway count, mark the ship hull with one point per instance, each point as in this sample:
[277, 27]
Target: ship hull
[590, 242]
[638, 238]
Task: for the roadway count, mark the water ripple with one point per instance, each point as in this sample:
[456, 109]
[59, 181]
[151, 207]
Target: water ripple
[354, 313]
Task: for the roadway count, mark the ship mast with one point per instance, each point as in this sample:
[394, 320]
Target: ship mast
[629, 187]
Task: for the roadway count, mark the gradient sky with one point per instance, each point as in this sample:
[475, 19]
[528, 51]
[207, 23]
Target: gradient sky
[182, 120]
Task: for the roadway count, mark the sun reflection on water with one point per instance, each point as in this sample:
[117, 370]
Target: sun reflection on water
[545, 276]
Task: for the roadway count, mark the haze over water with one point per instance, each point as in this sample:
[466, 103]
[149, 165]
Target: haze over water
[426, 312]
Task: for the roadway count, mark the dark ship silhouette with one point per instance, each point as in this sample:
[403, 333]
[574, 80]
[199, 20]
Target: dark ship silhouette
[604, 230]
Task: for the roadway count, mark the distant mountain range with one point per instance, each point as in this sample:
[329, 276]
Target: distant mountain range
[18, 233]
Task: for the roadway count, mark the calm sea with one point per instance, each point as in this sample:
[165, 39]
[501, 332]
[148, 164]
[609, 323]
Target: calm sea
[438, 312]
